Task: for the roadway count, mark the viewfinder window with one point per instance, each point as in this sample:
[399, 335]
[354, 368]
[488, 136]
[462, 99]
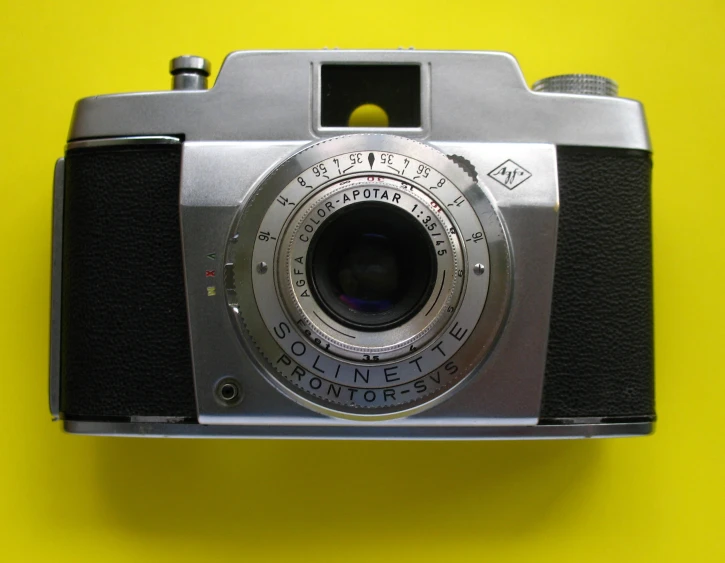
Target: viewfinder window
[362, 95]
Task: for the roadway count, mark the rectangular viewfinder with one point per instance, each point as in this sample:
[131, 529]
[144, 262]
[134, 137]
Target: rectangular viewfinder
[369, 95]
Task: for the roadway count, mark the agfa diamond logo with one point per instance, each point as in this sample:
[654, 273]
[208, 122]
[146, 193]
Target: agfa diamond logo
[509, 174]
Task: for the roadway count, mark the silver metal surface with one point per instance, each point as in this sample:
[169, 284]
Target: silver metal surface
[189, 72]
[584, 84]
[361, 432]
[271, 96]
[217, 177]
[394, 386]
[55, 289]
[113, 141]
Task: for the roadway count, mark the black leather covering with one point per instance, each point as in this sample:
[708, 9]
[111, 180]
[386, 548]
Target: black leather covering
[124, 334]
[600, 361]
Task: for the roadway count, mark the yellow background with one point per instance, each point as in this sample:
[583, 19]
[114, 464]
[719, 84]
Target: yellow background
[70, 498]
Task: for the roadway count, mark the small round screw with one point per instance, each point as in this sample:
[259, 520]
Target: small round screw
[229, 391]
[262, 267]
[478, 269]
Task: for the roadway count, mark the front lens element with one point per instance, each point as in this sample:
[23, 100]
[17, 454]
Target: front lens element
[372, 266]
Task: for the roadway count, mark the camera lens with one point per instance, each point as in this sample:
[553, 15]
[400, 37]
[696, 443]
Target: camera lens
[372, 266]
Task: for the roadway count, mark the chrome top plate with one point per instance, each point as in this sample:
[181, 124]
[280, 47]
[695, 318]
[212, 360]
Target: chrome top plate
[467, 96]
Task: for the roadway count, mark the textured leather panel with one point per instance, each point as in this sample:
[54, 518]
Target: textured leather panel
[600, 361]
[124, 334]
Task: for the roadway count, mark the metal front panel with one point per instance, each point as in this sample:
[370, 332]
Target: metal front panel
[216, 178]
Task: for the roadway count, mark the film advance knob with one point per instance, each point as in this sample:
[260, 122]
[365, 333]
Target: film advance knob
[189, 72]
[587, 84]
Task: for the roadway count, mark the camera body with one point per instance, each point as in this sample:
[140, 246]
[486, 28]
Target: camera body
[240, 261]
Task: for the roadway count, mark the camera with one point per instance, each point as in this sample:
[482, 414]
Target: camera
[471, 260]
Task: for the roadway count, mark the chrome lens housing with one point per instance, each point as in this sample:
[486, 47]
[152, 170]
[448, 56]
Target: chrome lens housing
[340, 340]
[314, 356]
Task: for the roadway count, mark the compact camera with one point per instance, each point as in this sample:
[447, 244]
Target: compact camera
[471, 260]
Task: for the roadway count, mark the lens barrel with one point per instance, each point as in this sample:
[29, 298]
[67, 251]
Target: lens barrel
[372, 266]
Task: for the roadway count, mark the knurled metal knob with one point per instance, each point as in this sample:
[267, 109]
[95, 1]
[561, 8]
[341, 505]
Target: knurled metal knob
[587, 84]
[189, 72]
